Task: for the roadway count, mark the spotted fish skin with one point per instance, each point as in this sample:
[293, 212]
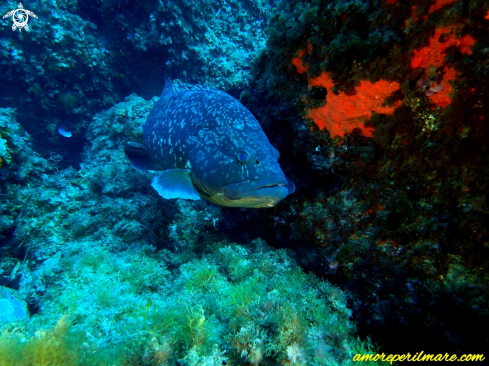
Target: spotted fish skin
[210, 146]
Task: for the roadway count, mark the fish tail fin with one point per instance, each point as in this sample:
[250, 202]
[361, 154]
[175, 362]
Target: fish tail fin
[139, 156]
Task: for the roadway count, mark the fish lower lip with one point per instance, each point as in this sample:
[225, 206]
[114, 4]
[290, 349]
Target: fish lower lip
[263, 187]
[267, 196]
[236, 191]
[268, 204]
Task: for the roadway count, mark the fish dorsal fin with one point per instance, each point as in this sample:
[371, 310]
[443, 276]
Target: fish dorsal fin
[168, 89]
[175, 183]
[176, 86]
[180, 86]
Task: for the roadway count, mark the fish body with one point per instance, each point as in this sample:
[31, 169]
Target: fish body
[209, 146]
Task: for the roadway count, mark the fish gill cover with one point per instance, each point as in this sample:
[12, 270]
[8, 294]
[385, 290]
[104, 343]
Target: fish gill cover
[378, 110]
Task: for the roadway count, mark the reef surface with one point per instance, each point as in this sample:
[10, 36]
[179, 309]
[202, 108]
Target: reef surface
[379, 111]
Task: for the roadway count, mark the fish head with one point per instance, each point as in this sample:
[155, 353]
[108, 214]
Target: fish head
[239, 172]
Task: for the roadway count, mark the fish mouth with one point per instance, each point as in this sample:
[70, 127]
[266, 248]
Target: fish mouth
[269, 186]
[259, 193]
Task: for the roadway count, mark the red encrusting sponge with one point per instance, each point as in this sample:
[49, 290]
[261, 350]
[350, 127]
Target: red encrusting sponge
[344, 112]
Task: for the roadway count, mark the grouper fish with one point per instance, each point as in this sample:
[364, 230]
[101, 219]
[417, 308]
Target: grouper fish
[208, 146]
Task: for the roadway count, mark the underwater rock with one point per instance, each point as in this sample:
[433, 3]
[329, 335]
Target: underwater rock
[12, 307]
[400, 195]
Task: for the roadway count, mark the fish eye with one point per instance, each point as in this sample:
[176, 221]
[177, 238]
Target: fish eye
[243, 156]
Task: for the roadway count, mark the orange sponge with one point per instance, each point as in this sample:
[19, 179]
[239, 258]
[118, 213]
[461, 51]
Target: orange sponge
[342, 113]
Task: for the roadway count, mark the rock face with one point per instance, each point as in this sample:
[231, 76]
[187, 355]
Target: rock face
[12, 306]
[80, 58]
[385, 106]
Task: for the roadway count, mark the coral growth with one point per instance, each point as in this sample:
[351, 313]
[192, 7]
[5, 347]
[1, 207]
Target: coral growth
[433, 56]
[297, 61]
[439, 4]
[343, 113]
[347, 110]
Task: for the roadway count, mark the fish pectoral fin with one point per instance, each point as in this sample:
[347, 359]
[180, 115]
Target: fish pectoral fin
[290, 186]
[175, 183]
[139, 156]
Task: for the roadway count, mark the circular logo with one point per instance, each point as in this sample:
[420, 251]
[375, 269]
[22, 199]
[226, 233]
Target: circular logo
[20, 18]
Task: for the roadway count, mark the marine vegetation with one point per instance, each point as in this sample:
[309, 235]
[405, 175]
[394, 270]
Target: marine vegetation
[237, 304]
